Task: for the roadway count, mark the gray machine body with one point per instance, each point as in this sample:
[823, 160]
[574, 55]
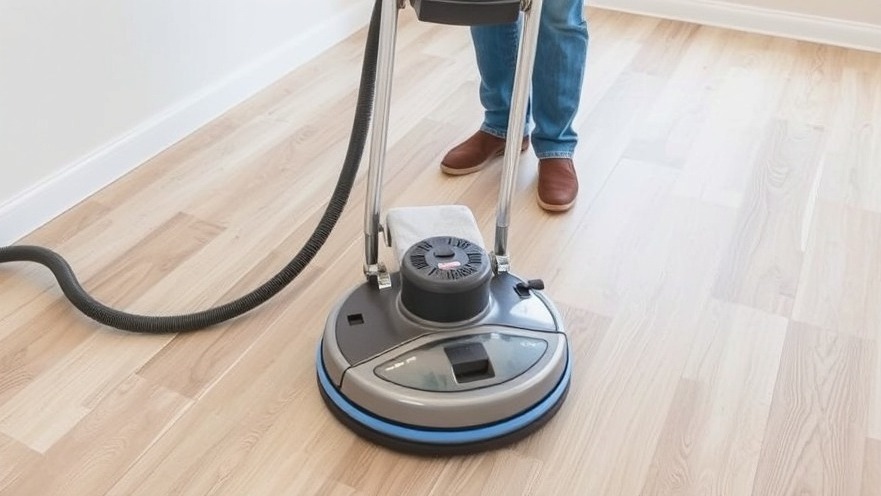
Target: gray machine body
[412, 371]
[452, 352]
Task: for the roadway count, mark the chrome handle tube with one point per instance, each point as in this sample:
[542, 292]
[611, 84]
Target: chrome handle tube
[516, 119]
[379, 134]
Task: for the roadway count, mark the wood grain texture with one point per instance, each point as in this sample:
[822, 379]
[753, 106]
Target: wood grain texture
[101, 447]
[17, 460]
[717, 168]
[816, 434]
[811, 86]
[842, 272]
[875, 407]
[855, 178]
[718, 279]
[764, 262]
[872, 469]
[667, 134]
[516, 474]
[716, 424]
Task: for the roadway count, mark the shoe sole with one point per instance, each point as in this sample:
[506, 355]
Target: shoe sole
[461, 172]
[552, 207]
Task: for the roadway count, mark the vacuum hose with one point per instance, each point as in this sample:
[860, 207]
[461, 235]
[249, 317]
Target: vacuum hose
[190, 322]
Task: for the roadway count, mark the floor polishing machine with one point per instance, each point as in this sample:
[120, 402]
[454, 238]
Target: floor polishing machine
[449, 353]
[452, 352]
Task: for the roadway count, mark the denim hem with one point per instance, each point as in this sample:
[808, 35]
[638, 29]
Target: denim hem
[557, 154]
[498, 133]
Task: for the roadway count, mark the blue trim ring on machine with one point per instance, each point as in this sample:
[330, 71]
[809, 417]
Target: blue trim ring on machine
[447, 436]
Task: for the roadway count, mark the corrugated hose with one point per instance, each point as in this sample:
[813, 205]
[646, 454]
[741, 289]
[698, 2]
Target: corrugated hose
[103, 314]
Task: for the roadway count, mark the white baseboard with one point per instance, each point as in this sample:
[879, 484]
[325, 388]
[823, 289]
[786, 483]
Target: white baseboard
[54, 195]
[825, 30]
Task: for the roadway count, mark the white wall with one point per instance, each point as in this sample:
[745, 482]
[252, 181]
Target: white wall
[91, 88]
[849, 23]
[868, 11]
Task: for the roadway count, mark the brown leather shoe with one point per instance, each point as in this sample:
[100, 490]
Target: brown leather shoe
[557, 184]
[475, 153]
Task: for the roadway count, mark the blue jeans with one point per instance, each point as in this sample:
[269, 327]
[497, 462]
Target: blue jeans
[560, 58]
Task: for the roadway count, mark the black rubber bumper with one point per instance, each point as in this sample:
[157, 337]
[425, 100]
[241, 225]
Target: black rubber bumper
[436, 441]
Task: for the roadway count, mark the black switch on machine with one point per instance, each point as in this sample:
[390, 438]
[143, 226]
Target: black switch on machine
[470, 362]
[467, 12]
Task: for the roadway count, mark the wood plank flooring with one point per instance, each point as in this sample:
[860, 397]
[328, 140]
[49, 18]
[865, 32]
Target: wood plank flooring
[720, 277]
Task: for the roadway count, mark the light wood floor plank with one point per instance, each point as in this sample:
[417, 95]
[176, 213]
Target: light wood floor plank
[607, 62]
[662, 57]
[610, 236]
[716, 425]
[853, 175]
[667, 134]
[622, 406]
[842, 270]
[109, 439]
[723, 158]
[17, 461]
[41, 412]
[190, 364]
[816, 435]
[671, 308]
[608, 128]
[765, 258]
[245, 415]
[516, 474]
[871, 470]
[27, 354]
[874, 431]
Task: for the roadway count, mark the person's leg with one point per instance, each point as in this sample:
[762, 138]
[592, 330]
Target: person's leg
[558, 75]
[496, 49]
[560, 59]
[561, 54]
